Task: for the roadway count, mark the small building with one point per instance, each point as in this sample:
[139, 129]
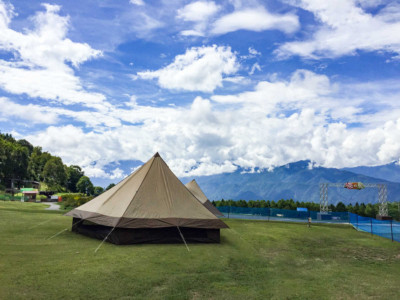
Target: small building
[30, 193]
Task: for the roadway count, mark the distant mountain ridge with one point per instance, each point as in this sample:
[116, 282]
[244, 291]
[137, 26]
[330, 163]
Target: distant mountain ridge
[390, 172]
[294, 180]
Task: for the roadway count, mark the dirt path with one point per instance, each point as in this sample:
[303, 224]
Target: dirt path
[53, 206]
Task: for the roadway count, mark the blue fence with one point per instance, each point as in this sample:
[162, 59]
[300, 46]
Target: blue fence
[388, 229]
[266, 213]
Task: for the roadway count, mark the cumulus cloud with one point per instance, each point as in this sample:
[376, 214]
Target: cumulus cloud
[301, 116]
[304, 116]
[199, 69]
[32, 113]
[117, 174]
[42, 56]
[255, 19]
[198, 13]
[344, 28]
[206, 18]
[42, 114]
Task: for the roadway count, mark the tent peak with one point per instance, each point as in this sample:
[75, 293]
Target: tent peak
[156, 155]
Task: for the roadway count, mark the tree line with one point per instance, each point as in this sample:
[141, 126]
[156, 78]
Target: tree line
[365, 210]
[21, 161]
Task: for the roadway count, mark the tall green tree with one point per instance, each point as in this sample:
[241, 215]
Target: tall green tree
[26, 144]
[97, 190]
[7, 137]
[85, 186]
[361, 210]
[20, 159]
[55, 174]
[340, 207]
[37, 161]
[74, 173]
[13, 159]
[111, 185]
[370, 211]
[5, 158]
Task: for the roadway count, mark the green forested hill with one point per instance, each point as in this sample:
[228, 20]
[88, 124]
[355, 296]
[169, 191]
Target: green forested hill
[21, 161]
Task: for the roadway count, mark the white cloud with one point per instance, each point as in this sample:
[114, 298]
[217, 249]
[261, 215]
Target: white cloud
[117, 174]
[94, 171]
[255, 19]
[254, 67]
[137, 2]
[40, 114]
[207, 18]
[346, 28]
[197, 11]
[238, 79]
[306, 116]
[199, 69]
[280, 120]
[304, 87]
[132, 101]
[6, 14]
[252, 54]
[41, 56]
[31, 113]
[192, 32]
[144, 24]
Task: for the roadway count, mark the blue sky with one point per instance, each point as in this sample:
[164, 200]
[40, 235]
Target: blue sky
[212, 86]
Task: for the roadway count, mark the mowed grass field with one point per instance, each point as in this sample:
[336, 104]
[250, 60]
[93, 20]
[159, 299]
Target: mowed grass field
[255, 260]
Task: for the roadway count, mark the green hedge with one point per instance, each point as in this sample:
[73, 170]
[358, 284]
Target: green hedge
[74, 200]
[8, 197]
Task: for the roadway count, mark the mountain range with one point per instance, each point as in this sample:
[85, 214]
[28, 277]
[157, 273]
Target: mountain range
[294, 180]
[390, 172]
[301, 183]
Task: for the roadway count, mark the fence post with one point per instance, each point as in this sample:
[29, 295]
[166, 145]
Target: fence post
[391, 228]
[370, 219]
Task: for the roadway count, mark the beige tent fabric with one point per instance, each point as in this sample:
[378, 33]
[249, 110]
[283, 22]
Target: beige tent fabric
[151, 197]
[194, 188]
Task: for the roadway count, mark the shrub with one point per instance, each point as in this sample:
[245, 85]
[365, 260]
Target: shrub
[74, 200]
[41, 197]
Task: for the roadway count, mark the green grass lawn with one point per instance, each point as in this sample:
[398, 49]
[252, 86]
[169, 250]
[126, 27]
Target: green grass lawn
[255, 260]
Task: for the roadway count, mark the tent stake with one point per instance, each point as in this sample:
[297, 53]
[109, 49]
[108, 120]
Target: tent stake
[183, 239]
[104, 240]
